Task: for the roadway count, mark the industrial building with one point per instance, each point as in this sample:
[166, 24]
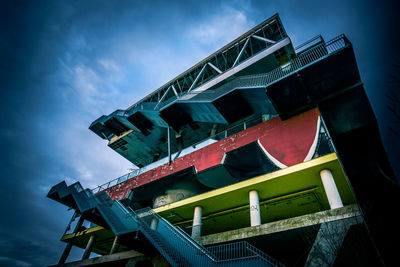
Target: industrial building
[262, 154]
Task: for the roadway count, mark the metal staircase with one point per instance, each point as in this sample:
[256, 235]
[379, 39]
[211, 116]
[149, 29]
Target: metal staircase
[178, 248]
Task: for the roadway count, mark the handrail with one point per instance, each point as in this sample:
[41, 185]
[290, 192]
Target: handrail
[146, 229]
[176, 246]
[211, 253]
[306, 58]
[138, 171]
[318, 37]
[224, 49]
[182, 235]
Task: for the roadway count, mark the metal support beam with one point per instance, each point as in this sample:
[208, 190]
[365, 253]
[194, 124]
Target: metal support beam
[241, 52]
[68, 247]
[263, 39]
[74, 216]
[198, 77]
[219, 56]
[164, 95]
[169, 144]
[179, 86]
[214, 67]
[173, 89]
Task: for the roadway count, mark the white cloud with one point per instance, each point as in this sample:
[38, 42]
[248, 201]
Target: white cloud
[92, 93]
[85, 83]
[221, 28]
[109, 65]
[105, 80]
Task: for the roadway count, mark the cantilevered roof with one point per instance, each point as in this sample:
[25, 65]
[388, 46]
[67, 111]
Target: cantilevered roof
[256, 51]
[271, 28]
[285, 193]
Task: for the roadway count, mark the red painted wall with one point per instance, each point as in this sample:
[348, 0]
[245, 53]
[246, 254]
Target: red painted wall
[286, 141]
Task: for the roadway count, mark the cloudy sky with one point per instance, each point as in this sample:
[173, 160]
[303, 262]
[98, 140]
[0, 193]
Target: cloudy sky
[65, 63]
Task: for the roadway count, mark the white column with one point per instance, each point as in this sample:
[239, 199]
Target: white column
[255, 216]
[331, 190]
[196, 228]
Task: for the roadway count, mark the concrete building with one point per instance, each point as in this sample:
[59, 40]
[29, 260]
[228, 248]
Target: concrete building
[260, 154]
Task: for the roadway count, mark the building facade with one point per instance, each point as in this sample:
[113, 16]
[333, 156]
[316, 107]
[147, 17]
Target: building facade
[251, 157]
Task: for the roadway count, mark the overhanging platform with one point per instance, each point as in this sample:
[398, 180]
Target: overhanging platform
[291, 240]
[299, 222]
[104, 239]
[286, 193]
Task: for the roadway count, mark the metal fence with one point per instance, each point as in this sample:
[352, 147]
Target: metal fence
[304, 59]
[174, 244]
[318, 51]
[218, 136]
[181, 250]
[240, 250]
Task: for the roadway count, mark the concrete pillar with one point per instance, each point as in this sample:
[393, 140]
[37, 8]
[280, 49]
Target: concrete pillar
[89, 248]
[331, 190]
[328, 242]
[115, 245]
[154, 224]
[255, 215]
[196, 228]
[68, 247]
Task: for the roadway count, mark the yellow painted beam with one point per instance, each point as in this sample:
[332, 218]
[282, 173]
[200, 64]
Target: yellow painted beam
[294, 191]
[219, 213]
[91, 230]
[250, 182]
[115, 138]
[286, 193]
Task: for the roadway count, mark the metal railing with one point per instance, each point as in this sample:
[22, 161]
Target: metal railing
[303, 60]
[306, 45]
[218, 136]
[175, 245]
[240, 250]
[223, 59]
[181, 250]
[308, 56]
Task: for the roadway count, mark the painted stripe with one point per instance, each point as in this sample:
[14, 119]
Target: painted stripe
[274, 160]
[315, 142]
[330, 158]
[223, 158]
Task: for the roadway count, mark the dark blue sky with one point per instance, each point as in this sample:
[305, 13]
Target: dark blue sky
[65, 63]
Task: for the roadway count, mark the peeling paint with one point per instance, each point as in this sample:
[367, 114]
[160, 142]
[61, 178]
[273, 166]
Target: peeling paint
[287, 141]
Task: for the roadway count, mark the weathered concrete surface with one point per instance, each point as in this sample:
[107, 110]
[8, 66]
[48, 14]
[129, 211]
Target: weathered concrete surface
[328, 242]
[288, 141]
[282, 225]
[117, 259]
